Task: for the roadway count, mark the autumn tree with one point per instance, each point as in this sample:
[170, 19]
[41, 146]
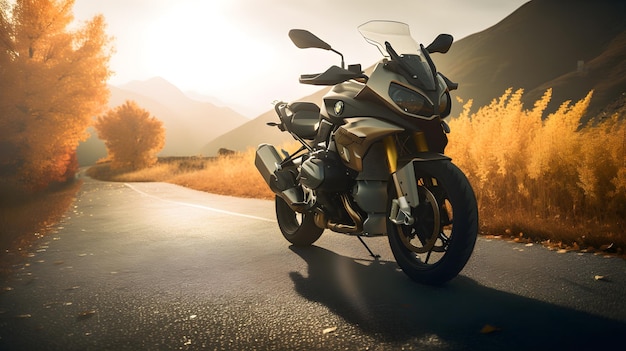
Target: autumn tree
[132, 136]
[52, 82]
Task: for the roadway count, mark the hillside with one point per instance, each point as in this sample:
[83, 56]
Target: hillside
[189, 123]
[572, 46]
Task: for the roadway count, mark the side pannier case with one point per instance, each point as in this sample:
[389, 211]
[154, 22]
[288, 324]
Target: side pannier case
[305, 118]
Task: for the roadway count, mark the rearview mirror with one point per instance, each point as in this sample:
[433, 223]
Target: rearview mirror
[441, 44]
[305, 39]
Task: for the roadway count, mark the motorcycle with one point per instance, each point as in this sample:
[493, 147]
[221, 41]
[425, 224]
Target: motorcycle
[372, 158]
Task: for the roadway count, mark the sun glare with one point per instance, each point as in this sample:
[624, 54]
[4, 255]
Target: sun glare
[198, 46]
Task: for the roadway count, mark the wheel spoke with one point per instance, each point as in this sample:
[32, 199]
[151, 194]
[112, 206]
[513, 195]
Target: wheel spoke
[428, 256]
[444, 239]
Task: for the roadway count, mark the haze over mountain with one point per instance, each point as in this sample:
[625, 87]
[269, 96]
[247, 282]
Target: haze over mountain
[189, 123]
[537, 47]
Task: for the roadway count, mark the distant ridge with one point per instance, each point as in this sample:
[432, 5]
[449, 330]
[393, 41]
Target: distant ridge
[572, 46]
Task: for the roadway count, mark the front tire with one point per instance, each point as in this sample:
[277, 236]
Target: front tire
[298, 228]
[436, 247]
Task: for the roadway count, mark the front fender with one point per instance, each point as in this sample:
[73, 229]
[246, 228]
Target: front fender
[406, 179]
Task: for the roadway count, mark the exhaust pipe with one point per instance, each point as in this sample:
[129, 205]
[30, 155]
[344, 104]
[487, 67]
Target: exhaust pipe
[281, 182]
[266, 161]
[356, 228]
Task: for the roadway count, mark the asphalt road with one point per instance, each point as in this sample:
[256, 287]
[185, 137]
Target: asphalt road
[153, 266]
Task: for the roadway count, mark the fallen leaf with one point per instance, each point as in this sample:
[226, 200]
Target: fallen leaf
[23, 316]
[488, 329]
[562, 251]
[329, 330]
[610, 248]
[86, 314]
[529, 244]
[601, 277]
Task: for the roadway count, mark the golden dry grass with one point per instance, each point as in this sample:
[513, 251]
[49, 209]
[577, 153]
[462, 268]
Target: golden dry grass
[546, 177]
[233, 175]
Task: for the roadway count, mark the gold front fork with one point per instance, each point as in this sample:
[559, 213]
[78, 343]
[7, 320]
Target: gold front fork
[392, 150]
[400, 212]
[420, 142]
[392, 153]
[392, 161]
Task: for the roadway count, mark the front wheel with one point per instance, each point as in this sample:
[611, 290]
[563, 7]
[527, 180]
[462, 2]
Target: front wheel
[436, 247]
[298, 228]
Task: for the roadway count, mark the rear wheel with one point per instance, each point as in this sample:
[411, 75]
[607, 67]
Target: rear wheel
[298, 228]
[436, 247]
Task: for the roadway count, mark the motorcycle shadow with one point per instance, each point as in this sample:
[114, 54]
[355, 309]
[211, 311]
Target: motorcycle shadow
[376, 297]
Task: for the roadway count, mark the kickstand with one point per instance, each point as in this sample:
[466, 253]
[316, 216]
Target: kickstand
[368, 248]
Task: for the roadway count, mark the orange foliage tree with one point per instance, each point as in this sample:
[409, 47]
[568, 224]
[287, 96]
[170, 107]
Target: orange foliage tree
[52, 82]
[132, 137]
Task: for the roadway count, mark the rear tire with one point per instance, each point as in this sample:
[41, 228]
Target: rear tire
[437, 246]
[298, 228]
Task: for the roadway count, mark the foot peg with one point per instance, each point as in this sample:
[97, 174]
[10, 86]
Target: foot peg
[401, 212]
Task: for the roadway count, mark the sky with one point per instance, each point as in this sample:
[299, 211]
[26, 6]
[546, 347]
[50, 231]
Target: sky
[238, 51]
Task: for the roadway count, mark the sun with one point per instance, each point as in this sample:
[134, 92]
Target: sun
[198, 46]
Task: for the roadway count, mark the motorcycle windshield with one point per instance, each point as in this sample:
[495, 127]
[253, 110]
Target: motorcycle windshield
[396, 33]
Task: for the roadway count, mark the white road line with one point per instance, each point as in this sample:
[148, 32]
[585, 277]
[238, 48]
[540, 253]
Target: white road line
[200, 206]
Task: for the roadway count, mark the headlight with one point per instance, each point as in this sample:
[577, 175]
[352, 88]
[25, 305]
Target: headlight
[410, 101]
[414, 103]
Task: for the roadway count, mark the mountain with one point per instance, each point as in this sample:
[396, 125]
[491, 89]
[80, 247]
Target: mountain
[240, 108]
[189, 123]
[571, 46]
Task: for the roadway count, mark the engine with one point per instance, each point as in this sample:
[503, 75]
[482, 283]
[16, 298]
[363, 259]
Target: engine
[324, 172]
